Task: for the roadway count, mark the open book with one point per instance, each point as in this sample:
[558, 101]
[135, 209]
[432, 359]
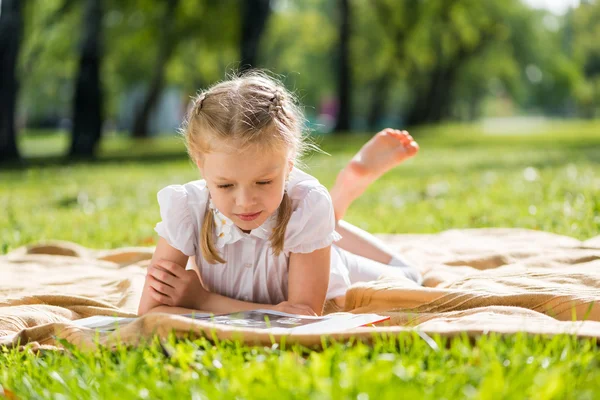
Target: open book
[257, 319]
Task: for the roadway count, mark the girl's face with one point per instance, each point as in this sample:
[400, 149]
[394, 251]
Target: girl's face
[247, 187]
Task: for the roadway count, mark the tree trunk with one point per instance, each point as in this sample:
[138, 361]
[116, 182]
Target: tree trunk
[255, 14]
[344, 75]
[167, 44]
[11, 28]
[87, 106]
[381, 91]
[432, 104]
[434, 101]
[474, 104]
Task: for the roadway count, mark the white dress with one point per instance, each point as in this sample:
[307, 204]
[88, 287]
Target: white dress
[252, 272]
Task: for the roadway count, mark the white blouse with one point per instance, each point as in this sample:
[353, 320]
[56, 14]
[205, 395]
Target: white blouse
[252, 272]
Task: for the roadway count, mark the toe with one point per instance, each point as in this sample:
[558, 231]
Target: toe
[405, 140]
[407, 137]
[401, 135]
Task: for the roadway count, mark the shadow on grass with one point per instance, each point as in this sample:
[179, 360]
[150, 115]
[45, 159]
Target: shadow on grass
[60, 161]
[572, 151]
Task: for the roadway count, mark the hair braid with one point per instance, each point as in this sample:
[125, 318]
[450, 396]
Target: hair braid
[198, 103]
[283, 216]
[276, 102]
[207, 245]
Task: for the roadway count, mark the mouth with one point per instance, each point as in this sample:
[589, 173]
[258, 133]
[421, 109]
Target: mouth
[248, 217]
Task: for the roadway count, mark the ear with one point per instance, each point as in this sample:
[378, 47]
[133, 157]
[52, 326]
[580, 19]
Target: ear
[290, 166]
[199, 165]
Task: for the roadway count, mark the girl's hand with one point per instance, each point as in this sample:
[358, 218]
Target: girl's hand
[290, 308]
[173, 285]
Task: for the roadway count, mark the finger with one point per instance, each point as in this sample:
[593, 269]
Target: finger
[163, 265]
[163, 276]
[160, 297]
[303, 309]
[171, 267]
[310, 313]
[150, 269]
[160, 287]
[309, 309]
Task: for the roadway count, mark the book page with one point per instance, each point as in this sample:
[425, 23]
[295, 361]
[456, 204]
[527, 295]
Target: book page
[256, 319]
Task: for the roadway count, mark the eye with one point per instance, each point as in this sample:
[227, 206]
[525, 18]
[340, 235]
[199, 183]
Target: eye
[264, 182]
[226, 186]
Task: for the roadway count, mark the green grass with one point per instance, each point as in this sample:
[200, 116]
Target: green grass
[462, 178]
[491, 368]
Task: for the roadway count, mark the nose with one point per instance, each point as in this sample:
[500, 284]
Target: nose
[245, 199]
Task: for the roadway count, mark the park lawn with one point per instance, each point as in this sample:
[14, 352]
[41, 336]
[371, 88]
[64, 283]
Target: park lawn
[547, 179]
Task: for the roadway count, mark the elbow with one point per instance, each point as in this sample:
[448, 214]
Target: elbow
[144, 309]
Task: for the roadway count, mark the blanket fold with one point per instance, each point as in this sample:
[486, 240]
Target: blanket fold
[475, 281]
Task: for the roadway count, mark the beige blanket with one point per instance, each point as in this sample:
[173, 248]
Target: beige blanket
[476, 281]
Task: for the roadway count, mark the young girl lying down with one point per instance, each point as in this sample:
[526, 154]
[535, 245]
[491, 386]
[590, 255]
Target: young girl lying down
[263, 233]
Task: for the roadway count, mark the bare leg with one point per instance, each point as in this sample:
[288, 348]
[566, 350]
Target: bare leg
[377, 259]
[362, 243]
[384, 151]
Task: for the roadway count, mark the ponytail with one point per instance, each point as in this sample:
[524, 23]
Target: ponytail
[283, 217]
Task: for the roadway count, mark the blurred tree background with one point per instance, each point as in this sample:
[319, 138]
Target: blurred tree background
[96, 67]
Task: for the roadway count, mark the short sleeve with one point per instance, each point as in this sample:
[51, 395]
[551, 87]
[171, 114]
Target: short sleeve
[312, 224]
[179, 226]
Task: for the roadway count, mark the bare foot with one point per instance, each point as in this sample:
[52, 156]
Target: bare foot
[384, 151]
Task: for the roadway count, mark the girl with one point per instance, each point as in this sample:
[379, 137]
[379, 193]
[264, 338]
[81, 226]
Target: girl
[260, 229]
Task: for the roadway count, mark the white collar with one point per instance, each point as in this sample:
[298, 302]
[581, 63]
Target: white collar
[227, 232]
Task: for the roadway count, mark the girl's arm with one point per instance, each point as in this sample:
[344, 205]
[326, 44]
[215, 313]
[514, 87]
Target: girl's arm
[164, 251]
[205, 301]
[218, 304]
[214, 303]
[308, 278]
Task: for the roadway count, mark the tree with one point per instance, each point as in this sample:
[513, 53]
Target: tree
[51, 19]
[581, 41]
[166, 46]
[185, 44]
[87, 102]
[11, 28]
[49, 60]
[255, 14]
[292, 49]
[398, 20]
[438, 39]
[452, 49]
[344, 73]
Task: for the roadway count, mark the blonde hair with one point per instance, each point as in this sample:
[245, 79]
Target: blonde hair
[248, 110]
